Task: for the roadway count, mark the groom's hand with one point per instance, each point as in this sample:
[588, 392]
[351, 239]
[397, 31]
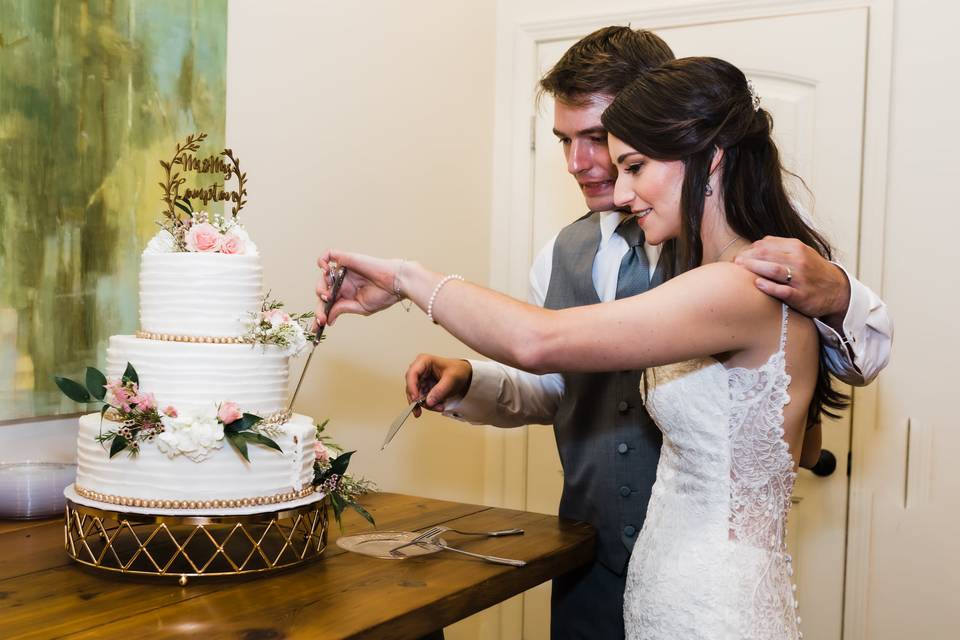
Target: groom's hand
[437, 379]
[798, 275]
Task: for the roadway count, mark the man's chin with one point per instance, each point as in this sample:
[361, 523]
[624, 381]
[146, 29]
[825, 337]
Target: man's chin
[600, 203]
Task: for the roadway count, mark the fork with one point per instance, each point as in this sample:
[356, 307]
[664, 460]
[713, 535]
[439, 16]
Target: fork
[493, 559]
[431, 532]
[436, 530]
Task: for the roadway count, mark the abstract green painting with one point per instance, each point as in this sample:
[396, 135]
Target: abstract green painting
[93, 93]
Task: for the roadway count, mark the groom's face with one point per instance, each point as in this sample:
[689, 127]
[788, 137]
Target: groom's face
[584, 141]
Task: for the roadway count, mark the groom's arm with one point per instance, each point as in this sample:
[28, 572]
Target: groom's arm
[855, 327]
[495, 394]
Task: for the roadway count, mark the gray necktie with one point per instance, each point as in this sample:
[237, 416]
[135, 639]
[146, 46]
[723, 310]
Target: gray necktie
[634, 274]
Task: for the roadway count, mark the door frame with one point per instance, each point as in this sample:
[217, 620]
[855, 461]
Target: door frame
[511, 222]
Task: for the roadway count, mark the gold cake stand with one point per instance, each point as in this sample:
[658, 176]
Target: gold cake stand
[192, 546]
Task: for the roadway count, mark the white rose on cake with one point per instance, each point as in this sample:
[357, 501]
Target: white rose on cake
[163, 242]
[192, 434]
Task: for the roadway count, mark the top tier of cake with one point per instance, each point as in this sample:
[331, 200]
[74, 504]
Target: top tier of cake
[199, 294]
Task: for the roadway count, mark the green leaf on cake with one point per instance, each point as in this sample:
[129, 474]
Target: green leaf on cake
[338, 505]
[258, 438]
[130, 375]
[339, 464]
[186, 208]
[363, 512]
[118, 444]
[239, 444]
[96, 383]
[249, 421]
[73, 390]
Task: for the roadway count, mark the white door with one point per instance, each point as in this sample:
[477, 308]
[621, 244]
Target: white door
[809, 71]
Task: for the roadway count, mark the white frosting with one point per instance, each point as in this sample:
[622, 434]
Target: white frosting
[225, 475]
[193, 374]
[199, 294]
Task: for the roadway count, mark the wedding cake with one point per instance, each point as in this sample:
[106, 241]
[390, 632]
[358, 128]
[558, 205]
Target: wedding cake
[191, 358]
[195, 413]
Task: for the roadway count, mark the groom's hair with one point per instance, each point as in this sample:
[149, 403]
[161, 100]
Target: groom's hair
[603, 62]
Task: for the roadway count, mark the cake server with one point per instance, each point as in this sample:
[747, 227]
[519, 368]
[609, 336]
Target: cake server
[334, 291]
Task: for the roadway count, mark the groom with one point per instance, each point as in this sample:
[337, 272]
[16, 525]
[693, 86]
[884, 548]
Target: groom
[608, 445]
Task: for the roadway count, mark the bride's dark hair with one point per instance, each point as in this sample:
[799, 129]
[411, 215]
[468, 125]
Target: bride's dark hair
[687, 109]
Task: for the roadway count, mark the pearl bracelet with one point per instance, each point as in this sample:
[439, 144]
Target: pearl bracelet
[436, 290]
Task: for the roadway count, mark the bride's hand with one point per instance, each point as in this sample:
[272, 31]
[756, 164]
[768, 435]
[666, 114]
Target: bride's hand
[367, 288]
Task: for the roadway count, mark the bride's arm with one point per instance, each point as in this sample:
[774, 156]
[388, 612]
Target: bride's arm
[710, 310]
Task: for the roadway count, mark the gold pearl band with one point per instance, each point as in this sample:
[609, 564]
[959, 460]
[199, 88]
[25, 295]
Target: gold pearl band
[194, 504]
[146, 335]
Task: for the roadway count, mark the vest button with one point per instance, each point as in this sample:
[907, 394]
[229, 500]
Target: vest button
[622, 447]
[623, 406]
[625, 491]
[629, 531]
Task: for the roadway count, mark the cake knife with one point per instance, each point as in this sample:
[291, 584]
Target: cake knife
[334, 291]
[398, 422]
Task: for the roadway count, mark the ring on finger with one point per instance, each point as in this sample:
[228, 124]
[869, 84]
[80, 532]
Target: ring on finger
[789, 275]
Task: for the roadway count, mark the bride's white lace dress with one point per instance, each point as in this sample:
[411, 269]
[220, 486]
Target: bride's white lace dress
[711, 561]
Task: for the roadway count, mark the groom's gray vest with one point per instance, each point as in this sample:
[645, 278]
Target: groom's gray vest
[608, 444]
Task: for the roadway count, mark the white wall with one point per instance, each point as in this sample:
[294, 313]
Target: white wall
[368, 126]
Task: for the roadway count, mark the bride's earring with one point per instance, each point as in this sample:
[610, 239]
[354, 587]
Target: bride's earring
[708, 190]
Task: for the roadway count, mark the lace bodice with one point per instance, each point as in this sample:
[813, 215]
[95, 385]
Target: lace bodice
[711, 560]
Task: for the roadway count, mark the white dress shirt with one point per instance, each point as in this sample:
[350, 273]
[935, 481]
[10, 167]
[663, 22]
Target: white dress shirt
[506, 397]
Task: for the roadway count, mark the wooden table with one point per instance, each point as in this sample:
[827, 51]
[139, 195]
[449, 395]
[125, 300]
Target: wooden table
[343, 595]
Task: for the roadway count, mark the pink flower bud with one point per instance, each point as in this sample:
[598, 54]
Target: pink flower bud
[229, 412]
[276, 317]
[170, 412]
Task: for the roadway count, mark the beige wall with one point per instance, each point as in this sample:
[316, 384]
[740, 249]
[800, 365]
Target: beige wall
[368, 126]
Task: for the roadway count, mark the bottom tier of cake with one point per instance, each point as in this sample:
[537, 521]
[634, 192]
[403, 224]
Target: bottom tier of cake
[224, 479]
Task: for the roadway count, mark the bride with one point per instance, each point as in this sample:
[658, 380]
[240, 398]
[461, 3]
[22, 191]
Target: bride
[733, 380]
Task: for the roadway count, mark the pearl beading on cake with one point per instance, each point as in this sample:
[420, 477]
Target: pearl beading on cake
[146, 335]
[195, 504]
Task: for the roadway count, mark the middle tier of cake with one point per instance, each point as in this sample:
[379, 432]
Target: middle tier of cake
[197, 375]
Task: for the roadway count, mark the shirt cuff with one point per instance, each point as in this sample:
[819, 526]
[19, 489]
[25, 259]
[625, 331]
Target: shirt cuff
[484, 390]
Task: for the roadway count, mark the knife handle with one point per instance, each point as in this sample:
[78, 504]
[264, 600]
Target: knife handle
[334, 292]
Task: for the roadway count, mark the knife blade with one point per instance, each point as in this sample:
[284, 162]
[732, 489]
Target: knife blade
[335, 290]
[400, 419]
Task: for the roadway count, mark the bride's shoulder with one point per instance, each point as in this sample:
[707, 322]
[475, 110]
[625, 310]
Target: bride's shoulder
[730, 286]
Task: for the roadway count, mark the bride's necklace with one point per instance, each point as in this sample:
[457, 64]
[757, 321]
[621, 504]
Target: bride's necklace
[725, 247]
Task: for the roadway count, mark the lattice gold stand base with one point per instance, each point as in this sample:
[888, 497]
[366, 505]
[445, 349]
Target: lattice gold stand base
[183, 547]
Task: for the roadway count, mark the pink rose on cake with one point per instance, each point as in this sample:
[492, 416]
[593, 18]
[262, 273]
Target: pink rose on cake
[229, 412]
[145, 401]
[321, 453]
[203, 238]
[231, 244]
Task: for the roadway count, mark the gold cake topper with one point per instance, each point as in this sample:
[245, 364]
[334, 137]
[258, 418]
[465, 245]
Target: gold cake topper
[224, 163]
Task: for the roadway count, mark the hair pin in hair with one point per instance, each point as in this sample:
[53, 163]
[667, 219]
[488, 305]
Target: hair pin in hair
[754, 96]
